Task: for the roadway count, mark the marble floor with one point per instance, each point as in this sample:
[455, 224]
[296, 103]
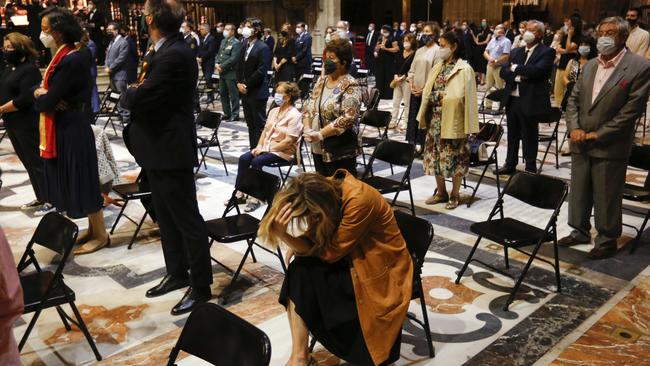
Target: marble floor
[601, 317]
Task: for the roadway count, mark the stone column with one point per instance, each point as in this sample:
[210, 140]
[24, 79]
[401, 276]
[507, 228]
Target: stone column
[406, 11]
[328, 12]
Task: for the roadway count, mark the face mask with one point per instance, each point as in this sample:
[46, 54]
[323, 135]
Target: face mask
[584, 50]
[385, 34]
[606, 45]
[328, 38]
[427, 38]
[13, 57]
[298, 30]
[632, 22]
[529, 37]
[219, 30]
[413, 29]
[226, 34]
[444, 53]
[341, 30]
[47, 40]
[239, 31]
[565, 29]
[278, 99]
[463, 27]
[483, 24]
[330, 67]
[283, 33]
[407, 45]
[370, 29]
[402, 28]
[522, 30]
[246, 32]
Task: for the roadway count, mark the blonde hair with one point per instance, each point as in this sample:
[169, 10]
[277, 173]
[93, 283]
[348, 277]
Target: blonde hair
[316, 201]
[23, 44]
[291, 89]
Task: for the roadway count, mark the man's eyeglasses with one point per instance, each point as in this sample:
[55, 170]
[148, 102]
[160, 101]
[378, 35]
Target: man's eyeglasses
[611, 33]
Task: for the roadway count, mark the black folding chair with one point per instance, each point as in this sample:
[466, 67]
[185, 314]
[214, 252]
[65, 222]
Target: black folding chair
[418, 234]
[211, 120]
[373, 99]
[491, 134]
[221, 338]
[394, 153]
[374, 119]
[130, 192]
[297, 160]
[535, 190]
[110, 110]
[3, 130]
[554, 118]
[305, 84]
[640, 159]
[229, 229]
[494, 96]
[46, 289]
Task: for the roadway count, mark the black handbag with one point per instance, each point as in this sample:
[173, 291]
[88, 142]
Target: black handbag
[343, 144]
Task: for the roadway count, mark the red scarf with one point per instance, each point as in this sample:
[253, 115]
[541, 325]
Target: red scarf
[46, 123]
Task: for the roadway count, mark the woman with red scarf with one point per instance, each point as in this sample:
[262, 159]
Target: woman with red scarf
[67, 143]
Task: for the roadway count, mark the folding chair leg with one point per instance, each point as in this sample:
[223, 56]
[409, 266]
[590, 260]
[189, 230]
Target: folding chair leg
[30, 326]
[202, 161]
[284, 265]
[475, 189]
[505, 255]
[557, 151]
[637, 239]
[63, 318]
[557, 264]
[223, 161]
[411, 198]
[241, 264]
[253, 255]
[469, 259]
[427, 328]
[84, 329]
[126, 202]
[137, 229]
[521, 277]
[312, 344]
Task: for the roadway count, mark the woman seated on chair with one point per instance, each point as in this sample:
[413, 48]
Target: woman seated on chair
[278, 142]
[350, 282]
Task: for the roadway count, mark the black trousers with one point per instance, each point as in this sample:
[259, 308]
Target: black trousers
[208, 70]
[521, 126]
[414, 134]
[25, 142]
[183, 232]
[328, 169]
[255, 116]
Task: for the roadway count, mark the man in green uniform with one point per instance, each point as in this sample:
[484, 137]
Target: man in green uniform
[227, 60]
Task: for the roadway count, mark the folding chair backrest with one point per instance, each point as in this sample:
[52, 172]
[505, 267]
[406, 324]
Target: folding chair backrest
[220, 337]
[495, 96]
[537, 190]
[394, 152]
[555, 115]
[640, 159]
[376, 118]
[373, 99]
[56, 233]
[489, 132]
[259, 184]
[418, 234]
[209, 119]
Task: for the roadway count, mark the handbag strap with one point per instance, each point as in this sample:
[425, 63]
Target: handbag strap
[320, 100]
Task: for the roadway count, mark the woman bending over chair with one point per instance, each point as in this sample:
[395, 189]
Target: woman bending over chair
[350, 282]
[278, 142]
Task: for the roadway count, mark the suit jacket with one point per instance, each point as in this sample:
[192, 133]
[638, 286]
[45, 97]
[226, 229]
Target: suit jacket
[303, 51]
[208, 50]
[192, 42]
[269, 42]
[534, 78]
[370, 48]
[162, 134]
[253, 71]
[615, 110]
[117, 55]
[132, 60]
[228, 58]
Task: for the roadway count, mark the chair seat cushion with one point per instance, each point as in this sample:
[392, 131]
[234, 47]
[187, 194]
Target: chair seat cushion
[233, 228]
[636, 193]
[384, 185]
[130, 191]
[34, 286]
[509, 232]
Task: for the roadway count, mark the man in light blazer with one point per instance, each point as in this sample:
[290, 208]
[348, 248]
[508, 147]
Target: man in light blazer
[602, 110]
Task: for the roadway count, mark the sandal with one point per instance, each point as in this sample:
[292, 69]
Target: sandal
[454, 201]
[436, 198]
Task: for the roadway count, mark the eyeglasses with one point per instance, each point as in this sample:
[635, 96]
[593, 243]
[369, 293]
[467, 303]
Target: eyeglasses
[611, 33]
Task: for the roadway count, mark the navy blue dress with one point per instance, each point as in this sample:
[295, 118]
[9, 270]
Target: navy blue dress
[72, 178]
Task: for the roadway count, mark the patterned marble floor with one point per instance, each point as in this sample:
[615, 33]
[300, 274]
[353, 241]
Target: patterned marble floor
[601, 317]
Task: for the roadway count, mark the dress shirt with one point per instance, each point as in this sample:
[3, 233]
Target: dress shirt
[604, 72]
[498, 47]
[249, 48]
[529, 52]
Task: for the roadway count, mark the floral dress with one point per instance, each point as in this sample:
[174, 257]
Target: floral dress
[443, 157]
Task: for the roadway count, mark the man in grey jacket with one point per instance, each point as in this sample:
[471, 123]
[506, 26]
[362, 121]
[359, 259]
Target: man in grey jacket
[117, 54]
[602, 110]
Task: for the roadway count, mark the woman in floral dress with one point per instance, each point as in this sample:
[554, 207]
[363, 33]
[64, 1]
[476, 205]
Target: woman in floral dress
[449, 113]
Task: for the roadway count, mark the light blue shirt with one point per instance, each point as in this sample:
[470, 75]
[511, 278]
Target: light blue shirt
[160, 42]
[498, 47]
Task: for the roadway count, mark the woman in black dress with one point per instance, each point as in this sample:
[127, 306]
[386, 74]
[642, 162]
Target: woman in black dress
[285, 55]
[71, 174]
[482, 39]
[387, 47]
[16, 106]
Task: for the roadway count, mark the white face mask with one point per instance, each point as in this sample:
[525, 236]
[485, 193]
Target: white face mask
[370, 29]
[529, 37]
[385, 34]
[402, 28]
[341, 30]
[413, 29]
[522, 30]
[239, 31]
[444, 53]
[226, 34]
[278, 99]
[47, 40]
[299, 30]
[219, 30]
[247, 32]
[606, 45]
[407, 45]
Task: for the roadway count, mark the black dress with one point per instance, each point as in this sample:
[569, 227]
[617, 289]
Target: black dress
[324, 298]
[17, 83]
[287, 71]
[480, 63]
[385, 69]
[72, 178]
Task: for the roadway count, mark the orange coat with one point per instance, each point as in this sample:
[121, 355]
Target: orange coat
[382, 268]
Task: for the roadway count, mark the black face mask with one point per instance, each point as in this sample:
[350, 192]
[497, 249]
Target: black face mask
[330, 67]
[426, 38]
[13, 57]
[632, 21]
[284, 33]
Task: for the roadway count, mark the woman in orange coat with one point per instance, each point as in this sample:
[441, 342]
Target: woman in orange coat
[350, 283]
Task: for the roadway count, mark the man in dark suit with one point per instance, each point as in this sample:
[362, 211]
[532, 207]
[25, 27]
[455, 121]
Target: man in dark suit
[206, 56]
[268, 39]
[371, 43]
[95, 25]
[526, 96]
[162, 138]
[303, 51]
[188, 36]
[252, 79]
[602, 111]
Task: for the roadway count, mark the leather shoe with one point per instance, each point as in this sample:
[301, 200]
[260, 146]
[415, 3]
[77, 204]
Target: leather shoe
[602, 252]
[569, 241]
[169, 283]
[193, 297]
[506, 170]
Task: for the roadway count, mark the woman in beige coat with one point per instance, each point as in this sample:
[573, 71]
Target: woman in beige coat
[449, 113]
